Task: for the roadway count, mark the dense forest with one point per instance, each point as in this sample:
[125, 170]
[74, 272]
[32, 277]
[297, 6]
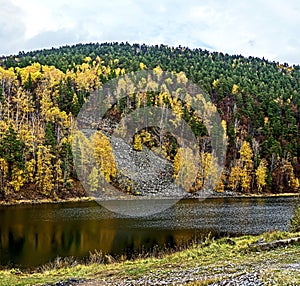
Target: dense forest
[41, 93]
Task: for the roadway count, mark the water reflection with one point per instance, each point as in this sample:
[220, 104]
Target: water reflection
[33, 235]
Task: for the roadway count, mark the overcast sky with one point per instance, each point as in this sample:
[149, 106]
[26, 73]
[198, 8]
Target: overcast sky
[269, 28]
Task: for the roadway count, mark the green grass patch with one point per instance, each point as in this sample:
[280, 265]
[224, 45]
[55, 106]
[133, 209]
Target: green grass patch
[213, 260]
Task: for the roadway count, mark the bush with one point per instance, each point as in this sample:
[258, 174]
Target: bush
[295, 220]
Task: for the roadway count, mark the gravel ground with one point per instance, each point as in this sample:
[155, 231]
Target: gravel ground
[247, 279]
[180, 276]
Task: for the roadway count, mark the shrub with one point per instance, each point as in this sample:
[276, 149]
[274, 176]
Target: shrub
[295, 220]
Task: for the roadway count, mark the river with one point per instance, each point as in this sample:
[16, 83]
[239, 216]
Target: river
[31, 235]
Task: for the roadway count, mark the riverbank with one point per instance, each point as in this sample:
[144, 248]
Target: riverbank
[189, 196]
[211, 262]
[45, 201]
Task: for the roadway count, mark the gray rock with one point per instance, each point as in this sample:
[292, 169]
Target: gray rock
[149, 174]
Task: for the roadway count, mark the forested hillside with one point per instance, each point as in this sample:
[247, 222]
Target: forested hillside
[42, 91]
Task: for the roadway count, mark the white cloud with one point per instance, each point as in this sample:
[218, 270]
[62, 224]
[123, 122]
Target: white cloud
[266, 28]
[11, 27]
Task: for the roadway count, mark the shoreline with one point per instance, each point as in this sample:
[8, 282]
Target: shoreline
[90, 199]
[223, 261]
[261, 195]
[45, 201]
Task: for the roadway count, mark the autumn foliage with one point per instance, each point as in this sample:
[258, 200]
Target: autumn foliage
[42, 92]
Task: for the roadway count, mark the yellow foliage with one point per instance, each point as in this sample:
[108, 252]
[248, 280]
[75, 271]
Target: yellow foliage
[234, 178]
[53, 75]
[220, 186]
[3, 166]
[147, 138]
[261, 175]
[235, 89]
[3, 126]
[23, 105]
[29, 112]
[46, 105]
[29, 170]
[208, 175]
[103, 155]
[246, 178]
[185, 168]
[87, 59]
[3, 174]
[86, 76]
[188, 101]
[142, 66]
[93, 180]
[44, 174]
[246, 153]
[292, 180]
[137, 143]
[223, 123]
[58, 173]
[18, 179]
[241, 173]
[161, 151]
[117, 71]
[157, 70]
[7, 75]
[177, 107]
[51, 112]
[177, 162]
[33, 70]
[83, 154]
[215, 83]
[181, 78]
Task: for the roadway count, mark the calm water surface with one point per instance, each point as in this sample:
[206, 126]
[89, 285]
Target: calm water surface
[33, 235]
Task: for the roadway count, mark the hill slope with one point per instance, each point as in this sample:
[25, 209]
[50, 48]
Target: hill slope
[41, 92]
